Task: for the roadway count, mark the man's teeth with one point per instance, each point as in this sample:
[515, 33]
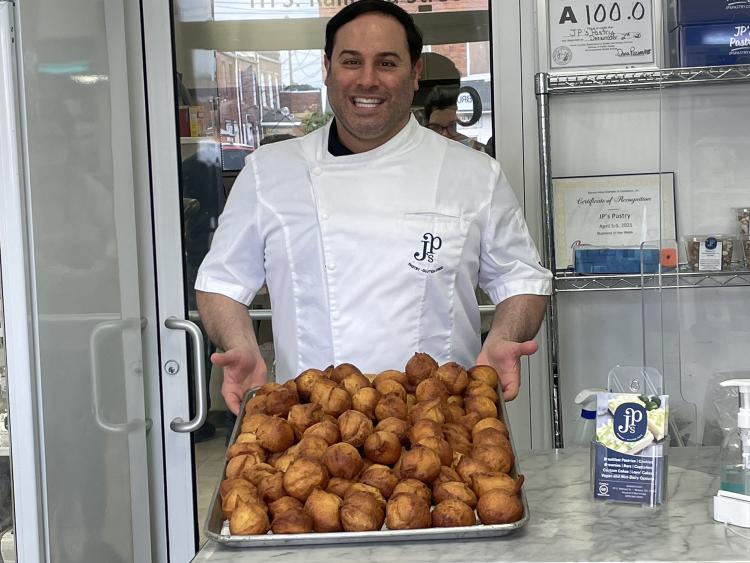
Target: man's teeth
[367, 102]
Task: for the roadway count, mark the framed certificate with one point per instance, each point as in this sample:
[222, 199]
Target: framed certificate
[611, 211]
[590, 34]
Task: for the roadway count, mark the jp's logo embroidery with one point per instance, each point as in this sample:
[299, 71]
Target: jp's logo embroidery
[430, 243]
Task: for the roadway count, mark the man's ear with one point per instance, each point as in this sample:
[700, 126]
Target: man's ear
[327, 66]
[417, 73]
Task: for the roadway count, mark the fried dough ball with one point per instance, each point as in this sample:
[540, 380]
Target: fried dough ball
[415, 487]
[234, 498]
[271, 488]
[486, 374]
[282, 504]
[397, 426]
[338, 486]
[431, 410]
[369, 489]
[490, 422]
[284, 460]
[304, 476]
[456, 400]
[365, 400]
[324, 509]
[446, 474]
[341, 371]
[326, 429]
[454, 413]
[441, 447]
[275, 434]
[498, 507]
[392, 374]
[492, 437]
[354, 382]
[246, 438]
[354, 427]
[478, 388]
[483, 406]
[251, 422]
[424, 428]
[292, 521]
[470, 419]
[419, 367]
[453, 376]
[482, 483]
[247, 448]
[360, 512]
[431, 388]
[249, 520]
[228, 484]
[420, 463]
[312, 446]
[391, 387]
[302, 417]
[383, 447]
[239, 464]
[267, 388]
[381, 477]
[456, 430]
[497, 459]
[331, 397]
[305, 382]
[391, 406]
[457, 490]
[342, 460]
[468, 466]
[279, 401]
[452, 513]
[255, 405]
[406, 511]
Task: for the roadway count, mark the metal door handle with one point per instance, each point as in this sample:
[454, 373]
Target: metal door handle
[100, 329]
[199, 371]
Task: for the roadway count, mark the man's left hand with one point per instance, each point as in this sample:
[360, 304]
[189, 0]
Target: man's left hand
[505, 357]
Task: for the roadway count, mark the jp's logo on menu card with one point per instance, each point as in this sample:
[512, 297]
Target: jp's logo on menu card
[630, 422]
[430, 244]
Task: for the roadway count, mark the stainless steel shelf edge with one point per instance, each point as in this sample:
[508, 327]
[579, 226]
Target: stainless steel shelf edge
[588, 82]
[568, 282]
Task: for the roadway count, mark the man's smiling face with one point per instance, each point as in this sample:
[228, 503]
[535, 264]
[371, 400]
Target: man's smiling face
[371, 81]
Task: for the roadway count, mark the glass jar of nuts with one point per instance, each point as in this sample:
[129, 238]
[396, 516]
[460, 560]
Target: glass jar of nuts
[709, 253]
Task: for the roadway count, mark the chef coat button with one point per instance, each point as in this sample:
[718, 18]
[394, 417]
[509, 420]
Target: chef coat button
[335, 315]
[324, 216]
[331, 267]
[316, 171]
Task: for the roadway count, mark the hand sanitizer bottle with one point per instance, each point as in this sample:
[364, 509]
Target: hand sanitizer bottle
[732, 502]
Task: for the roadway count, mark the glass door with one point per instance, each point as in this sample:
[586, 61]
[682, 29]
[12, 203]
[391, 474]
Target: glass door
[250, 73]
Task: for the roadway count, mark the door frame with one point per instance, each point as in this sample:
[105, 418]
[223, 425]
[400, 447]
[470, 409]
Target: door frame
[167, 396]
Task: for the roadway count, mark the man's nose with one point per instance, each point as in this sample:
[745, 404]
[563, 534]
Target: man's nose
[368, 76]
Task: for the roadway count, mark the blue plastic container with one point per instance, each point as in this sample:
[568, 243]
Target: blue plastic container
[695, 12]
[594, 260]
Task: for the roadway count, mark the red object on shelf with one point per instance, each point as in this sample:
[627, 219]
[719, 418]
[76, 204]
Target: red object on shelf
[668, 257]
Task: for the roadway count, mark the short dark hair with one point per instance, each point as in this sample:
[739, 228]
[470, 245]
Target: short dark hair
[360, 7]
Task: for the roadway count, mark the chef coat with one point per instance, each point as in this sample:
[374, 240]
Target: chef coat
[374, 256]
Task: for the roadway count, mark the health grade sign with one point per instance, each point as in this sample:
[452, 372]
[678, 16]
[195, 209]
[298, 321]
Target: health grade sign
[584, 33]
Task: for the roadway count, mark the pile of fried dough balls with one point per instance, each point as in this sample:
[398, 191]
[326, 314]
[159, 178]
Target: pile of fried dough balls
[334, 450]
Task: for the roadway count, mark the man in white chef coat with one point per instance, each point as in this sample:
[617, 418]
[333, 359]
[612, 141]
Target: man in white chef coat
[371, 233]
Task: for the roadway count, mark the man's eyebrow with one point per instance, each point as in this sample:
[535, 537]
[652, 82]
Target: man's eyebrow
[385, 54]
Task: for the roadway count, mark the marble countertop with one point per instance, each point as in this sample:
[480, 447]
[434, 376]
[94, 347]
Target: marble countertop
[565, 523]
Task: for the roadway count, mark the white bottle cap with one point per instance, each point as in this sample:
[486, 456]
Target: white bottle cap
[743, 416]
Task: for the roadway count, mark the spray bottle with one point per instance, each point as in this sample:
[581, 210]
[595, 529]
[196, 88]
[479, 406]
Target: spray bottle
[732, 502]
[586, 430]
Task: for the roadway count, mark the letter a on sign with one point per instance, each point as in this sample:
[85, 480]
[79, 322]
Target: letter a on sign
[568, 15]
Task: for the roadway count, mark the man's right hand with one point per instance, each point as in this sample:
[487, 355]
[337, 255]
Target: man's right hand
[243, 370]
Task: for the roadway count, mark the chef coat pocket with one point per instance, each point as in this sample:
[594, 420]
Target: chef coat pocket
[433, 242]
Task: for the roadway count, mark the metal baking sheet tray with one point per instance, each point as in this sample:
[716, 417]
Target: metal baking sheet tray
[217, 529]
